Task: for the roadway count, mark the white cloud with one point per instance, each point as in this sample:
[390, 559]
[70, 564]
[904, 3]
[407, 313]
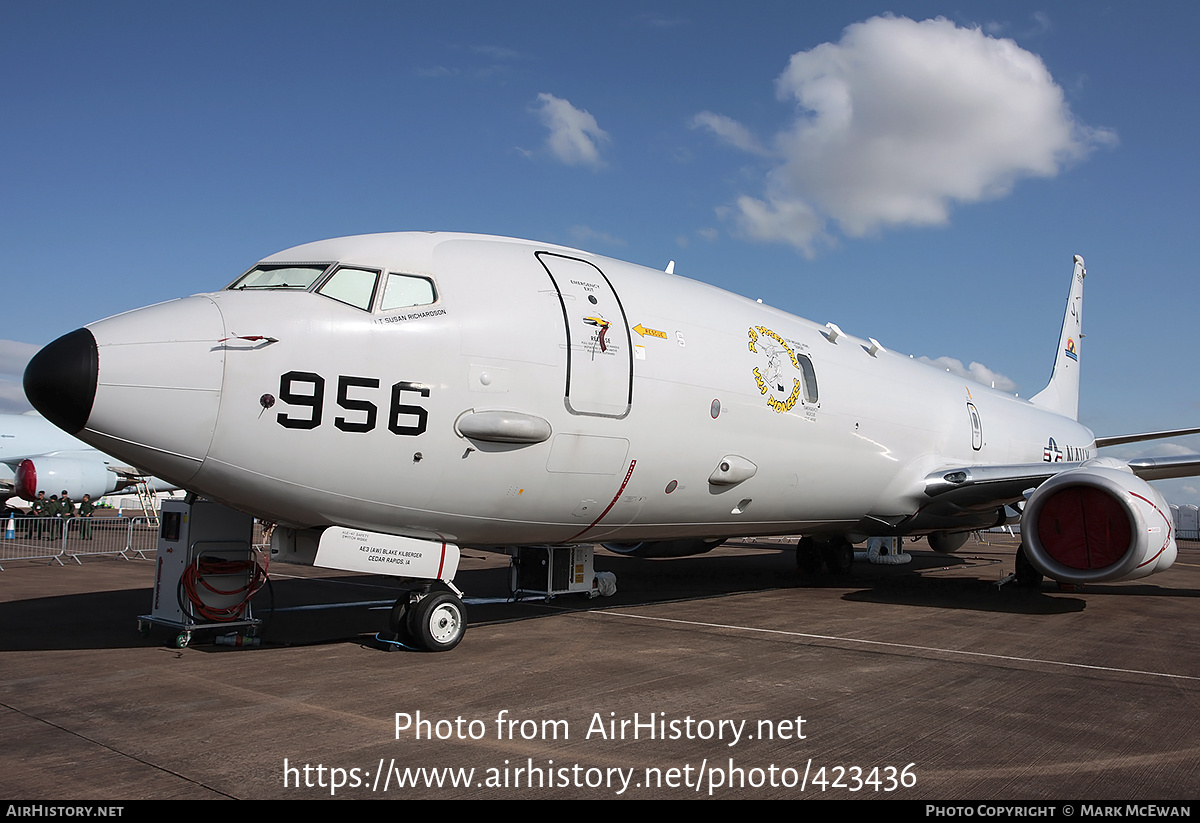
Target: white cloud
[585, 234]
[897, 122]
[437, 71]
[729, 130]
[1039, 25]
[12, 397]
[575, 136]
[1178, 492]
[976, 371]
[707, 234]
[499, 60]
[13, 358]
[781, 218]
[497, 52]
[1167, 449]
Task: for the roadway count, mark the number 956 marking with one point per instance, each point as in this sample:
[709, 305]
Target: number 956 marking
[306, 390]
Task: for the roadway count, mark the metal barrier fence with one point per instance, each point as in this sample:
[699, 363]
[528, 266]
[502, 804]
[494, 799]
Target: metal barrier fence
[55, 538]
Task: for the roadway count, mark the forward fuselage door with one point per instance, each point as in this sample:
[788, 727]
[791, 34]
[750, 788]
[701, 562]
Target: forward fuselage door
[599, 349]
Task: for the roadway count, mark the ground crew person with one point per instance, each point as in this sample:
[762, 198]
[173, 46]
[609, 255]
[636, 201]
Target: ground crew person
[86, 508]
[37, 510]
[66, 510]
[53, 510]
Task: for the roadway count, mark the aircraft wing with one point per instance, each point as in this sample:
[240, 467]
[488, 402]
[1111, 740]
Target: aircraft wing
[1166, 468]
[977, 487]
[1117, 440]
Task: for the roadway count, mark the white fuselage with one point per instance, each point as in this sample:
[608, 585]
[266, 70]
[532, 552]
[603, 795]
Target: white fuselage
[311, 412]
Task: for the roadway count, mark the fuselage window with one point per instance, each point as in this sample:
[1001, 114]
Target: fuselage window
[810, 378]
[283, 276]
[404, 290]
[355, 287]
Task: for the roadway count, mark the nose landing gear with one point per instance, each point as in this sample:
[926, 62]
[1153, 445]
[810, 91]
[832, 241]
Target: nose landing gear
[433, 621]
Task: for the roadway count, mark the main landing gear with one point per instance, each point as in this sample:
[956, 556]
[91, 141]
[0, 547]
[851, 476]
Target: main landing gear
[1028, 577]
[428, 619]
[835, 554]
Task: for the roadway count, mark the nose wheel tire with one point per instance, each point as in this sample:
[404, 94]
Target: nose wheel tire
[437, 622]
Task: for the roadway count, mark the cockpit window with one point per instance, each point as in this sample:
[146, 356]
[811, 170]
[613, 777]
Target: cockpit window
[404, 290]
[355, 287]
[283, 276]
[351, 285]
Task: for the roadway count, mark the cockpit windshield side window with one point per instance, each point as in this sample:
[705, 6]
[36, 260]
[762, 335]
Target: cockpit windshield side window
[282, 276]
[404, 290]
[355, 287]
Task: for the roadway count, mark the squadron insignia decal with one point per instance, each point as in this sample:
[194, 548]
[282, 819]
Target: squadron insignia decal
[770, 374]
[1070, 350]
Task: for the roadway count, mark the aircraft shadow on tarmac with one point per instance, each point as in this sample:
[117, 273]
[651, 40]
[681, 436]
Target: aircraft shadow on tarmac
[354, 608]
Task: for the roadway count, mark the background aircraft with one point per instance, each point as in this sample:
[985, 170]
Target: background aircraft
[36, 455]
[449, 388]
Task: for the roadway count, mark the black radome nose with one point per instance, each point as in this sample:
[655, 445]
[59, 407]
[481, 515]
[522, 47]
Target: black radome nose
[60, 380]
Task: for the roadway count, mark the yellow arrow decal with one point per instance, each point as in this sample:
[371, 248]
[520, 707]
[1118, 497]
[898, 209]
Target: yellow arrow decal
[643, 331]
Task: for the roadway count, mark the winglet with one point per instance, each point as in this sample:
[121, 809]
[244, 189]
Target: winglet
[1061, 394]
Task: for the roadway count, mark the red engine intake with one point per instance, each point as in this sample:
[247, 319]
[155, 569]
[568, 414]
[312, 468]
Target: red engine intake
[25, 483]
[1097, 523]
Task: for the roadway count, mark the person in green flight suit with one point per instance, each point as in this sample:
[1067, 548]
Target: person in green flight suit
[37, 511]
[66, 510]
[51, 509]
[86, 509]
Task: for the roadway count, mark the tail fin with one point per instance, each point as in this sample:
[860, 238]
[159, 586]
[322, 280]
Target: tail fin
[1061, 394]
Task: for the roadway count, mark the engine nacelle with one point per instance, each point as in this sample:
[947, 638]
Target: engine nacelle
[53, 474]
[666, 548]
[1096, 523]
[947, 542]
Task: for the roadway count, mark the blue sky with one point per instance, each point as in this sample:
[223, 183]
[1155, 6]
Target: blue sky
[153, 150]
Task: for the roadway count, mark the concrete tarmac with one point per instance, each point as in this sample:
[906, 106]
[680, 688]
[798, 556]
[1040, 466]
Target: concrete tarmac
[723, 675]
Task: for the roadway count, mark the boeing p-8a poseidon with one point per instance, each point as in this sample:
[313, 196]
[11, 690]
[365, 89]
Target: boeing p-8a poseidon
[429, 390]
